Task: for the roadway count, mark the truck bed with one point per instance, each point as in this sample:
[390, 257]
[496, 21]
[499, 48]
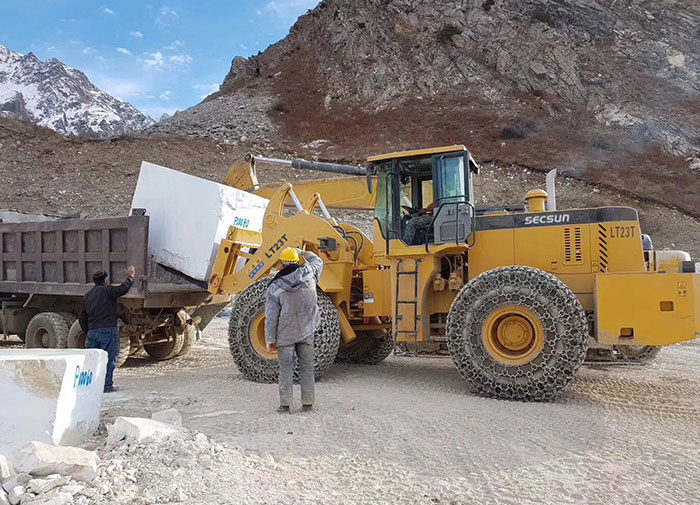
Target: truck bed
[58, 257]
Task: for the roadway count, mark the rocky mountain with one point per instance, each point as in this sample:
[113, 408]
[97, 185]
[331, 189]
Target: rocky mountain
[606, 91]
[52, 95]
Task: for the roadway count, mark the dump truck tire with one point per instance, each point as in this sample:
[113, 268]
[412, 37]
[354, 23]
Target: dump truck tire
[166, 350]
[246, 336]
[366, 349]
[517, 333]
[76, 339]
[189, 336]
[636, 353]
[70, 319]
[46, 330]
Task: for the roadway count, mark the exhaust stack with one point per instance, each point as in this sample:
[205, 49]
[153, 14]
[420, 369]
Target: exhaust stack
[551, 190]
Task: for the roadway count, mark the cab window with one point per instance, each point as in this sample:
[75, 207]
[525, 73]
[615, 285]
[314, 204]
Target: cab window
[451, 179]
[384, 209]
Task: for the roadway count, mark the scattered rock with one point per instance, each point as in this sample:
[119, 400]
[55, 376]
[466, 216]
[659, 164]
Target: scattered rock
[41, 486]
[15, 494]
[5, 469]
[54, 498]
[137, 429]
[43, 459]
[168, 416]
[317, 144]
[20, 479]
[72, 489]
[201, 440]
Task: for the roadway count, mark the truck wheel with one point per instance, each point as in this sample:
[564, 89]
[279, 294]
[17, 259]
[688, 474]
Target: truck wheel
[636, 353]
[134, 344]
[76, 339]
[517, 333]
[246, 335]
[189, 336]
[70, 319]
[166, 350]
[46, 330]
[366, 349]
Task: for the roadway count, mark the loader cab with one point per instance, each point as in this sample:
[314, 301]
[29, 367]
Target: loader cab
[425, 197]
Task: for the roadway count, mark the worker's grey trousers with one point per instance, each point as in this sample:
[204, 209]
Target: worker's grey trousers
[305, 354]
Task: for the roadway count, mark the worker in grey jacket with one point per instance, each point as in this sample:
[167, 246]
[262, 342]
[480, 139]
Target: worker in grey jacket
[291, 318]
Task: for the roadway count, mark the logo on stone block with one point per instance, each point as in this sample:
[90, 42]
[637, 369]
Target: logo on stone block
[82, 378]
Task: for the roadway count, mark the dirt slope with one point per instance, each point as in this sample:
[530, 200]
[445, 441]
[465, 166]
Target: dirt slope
[45, 172]
[605, 91]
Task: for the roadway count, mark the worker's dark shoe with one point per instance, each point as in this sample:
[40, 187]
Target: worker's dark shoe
[110, 389]
[283, 409]
[307, 408]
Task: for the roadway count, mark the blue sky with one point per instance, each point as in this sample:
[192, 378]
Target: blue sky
[158, 56]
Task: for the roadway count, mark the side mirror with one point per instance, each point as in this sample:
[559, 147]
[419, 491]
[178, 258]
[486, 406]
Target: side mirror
[369, 183]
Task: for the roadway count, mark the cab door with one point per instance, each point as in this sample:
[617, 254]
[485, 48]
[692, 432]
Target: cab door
[454, 196]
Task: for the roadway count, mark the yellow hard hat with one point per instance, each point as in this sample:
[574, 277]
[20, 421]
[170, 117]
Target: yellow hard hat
[290, 255]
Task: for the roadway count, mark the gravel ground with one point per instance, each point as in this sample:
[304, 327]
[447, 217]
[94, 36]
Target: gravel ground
[410, 431]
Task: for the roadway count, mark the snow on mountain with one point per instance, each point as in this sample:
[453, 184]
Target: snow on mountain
[50, 94]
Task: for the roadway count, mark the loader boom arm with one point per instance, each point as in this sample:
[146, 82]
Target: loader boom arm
[338, 193]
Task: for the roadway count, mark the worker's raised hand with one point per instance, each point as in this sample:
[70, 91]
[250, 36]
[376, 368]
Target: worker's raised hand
[131, 272]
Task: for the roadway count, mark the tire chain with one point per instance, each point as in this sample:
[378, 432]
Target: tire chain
[559, 311]
[369, 350]
[247, 305]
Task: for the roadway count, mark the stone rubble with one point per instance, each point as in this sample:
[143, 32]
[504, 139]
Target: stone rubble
[136, 429]
[168, 416]
[5, 471]
[51, 475]
[41, 459]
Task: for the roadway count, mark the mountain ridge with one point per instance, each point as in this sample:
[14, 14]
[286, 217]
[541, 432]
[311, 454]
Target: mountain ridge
[53, 95]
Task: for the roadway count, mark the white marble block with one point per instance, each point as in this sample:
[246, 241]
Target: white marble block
[49, 395]
[189, 216]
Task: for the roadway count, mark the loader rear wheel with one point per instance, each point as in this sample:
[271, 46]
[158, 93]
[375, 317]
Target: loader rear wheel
[77, 339]
[366, 349]
[46, 330]
[246, 335]
[517, 333]
[636, 353]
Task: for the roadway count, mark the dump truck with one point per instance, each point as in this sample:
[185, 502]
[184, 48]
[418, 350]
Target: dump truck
[46, 267]
[520, 294]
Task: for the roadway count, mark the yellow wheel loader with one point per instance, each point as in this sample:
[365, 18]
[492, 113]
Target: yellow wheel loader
[520, 294]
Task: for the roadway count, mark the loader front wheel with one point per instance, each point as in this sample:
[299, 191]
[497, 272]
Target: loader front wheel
[366, 349]
[247, 335]
[517, 333]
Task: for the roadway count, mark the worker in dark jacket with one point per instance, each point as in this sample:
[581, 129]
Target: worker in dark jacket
[98, 319]
[291, 319]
